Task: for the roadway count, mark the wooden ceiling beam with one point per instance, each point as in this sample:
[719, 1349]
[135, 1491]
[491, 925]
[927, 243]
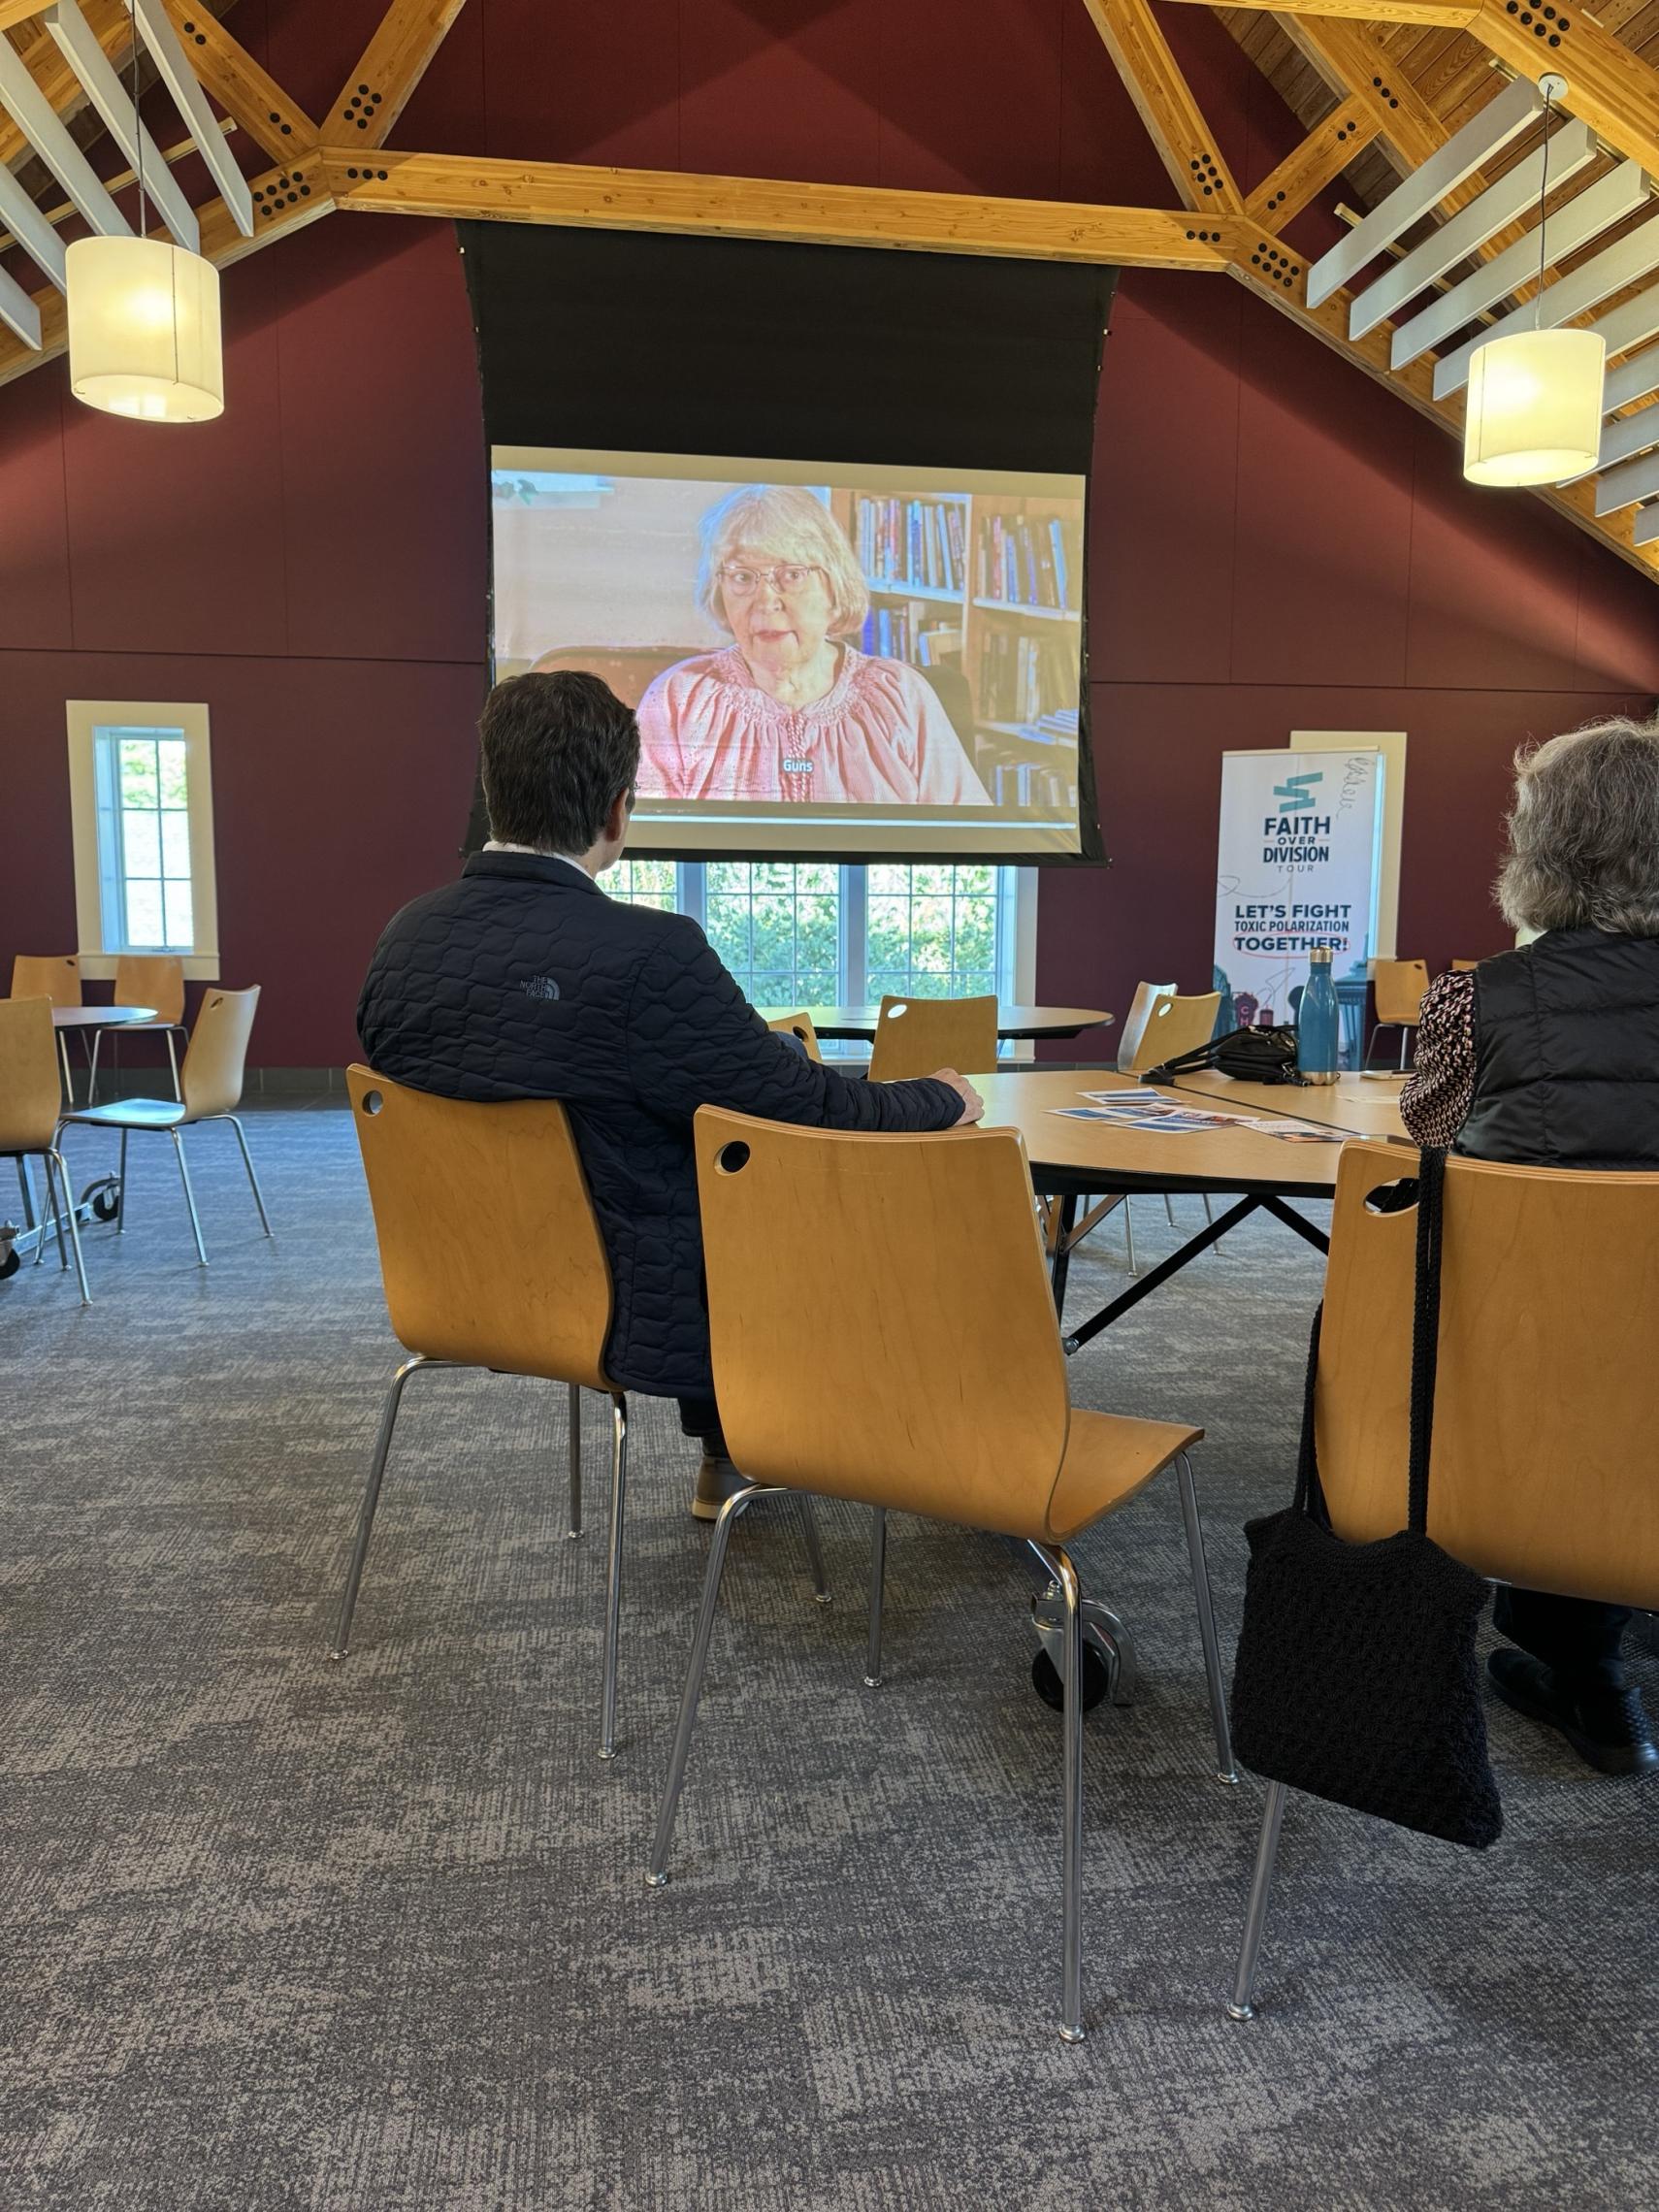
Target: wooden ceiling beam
[1608, 86]
[19, 11]
[241, 87]
[1426, 15]
[463, 186]
[1164, 101]
[393, 62]
[1352, 62]
[1320, 161]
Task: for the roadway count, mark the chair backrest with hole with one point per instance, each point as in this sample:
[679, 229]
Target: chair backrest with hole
[1147, 996]
[921, 1323]
[1173, 1026]
[52, 976]
[216, 1061]
[151, 979]
[1547, 1396]
[799, 1026]
[490, 1250]
[1399, 987]
[30, 1096]
[914, 1036]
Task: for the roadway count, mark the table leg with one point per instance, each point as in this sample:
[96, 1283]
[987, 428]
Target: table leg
[1117, 1307]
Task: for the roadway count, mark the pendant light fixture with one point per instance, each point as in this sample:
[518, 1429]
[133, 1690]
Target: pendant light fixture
[1533, 409]
[143, 318]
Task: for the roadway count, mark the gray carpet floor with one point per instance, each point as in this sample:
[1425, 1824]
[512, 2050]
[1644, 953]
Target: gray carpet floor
[282, 1937]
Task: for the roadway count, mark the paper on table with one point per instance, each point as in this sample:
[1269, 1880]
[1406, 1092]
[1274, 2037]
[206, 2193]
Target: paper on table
[1295, 1132]
[1169, 1124]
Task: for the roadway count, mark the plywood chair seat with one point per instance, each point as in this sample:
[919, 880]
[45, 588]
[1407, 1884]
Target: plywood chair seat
[910, 1295]
[137, 1114]
[1109, 1459]
[29, 1103]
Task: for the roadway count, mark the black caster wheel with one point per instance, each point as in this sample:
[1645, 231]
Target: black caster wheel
[106, 1202]
[1045, 1680]
[10, 1265]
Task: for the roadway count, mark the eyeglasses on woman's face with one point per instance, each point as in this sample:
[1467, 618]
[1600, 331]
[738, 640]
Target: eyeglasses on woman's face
[741, 582]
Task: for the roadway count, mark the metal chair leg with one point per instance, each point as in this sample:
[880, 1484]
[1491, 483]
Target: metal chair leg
[371, 1499]
[814, 1550]
[1225, 1770]
[92, 1075]
[734, 1505]
[68, 1079]
[73, 1227]
[247, 1162]
[121, 1209]
[26, 1186]
[1071, 1724]
[1243, 2006]
[173, 1058]
[1129, 1234]
[189, 1196]
[614, 1578]
[574, 1532]
[1210, 1216]
[878, 1591]
[51, 1218]
[1169, 1209]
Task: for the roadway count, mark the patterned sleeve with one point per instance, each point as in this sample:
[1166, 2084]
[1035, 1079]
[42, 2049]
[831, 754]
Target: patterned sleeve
[1435, 1103]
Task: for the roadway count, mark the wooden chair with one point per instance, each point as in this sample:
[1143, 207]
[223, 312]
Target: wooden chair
[924, 1319]
[1159, 1024]
[800, 1026]
[30, 1102]
[1398, 986]
[492, 1258]
[55, 977]
[211, 1080]
[915, 1036]
[146, 979]
[1464, 968]
[1546, 1394]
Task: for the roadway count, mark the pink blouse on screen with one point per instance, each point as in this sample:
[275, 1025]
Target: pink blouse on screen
[878, 736]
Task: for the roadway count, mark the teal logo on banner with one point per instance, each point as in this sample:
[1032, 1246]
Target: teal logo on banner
[1294, 789]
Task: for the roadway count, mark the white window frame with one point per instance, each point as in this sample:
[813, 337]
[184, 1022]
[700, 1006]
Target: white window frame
[101, 920]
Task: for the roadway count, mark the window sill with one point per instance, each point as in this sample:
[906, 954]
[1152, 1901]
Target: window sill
[99, 967]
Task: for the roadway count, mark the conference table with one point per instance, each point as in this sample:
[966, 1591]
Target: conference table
[1108, 1161]
[1022, 1024]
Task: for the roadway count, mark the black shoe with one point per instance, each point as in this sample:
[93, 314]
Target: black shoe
[717, 1479]
[1607, 1728]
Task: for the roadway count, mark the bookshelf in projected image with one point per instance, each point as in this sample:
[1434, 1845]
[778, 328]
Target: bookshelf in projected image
[983, 592]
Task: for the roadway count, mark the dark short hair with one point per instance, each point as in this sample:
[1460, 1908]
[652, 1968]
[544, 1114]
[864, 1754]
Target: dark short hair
[557, 752]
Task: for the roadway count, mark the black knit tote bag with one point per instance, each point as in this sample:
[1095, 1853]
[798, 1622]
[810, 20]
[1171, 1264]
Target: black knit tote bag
[1356, 1678]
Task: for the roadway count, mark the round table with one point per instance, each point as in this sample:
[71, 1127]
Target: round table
[850, 1023]
[67, 1018]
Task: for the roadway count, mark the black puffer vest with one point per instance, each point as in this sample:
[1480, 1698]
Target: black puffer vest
[1567, 1054]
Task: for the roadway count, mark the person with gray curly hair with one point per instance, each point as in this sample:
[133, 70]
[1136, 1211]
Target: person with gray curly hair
[1549, 1056]
[791, 709]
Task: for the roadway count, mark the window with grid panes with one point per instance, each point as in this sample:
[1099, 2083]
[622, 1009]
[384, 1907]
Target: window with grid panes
[144, 819]
[815, 933]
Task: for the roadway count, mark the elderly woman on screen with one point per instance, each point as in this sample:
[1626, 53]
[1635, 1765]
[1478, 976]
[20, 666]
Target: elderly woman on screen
[1549, 1056]
[789, 709]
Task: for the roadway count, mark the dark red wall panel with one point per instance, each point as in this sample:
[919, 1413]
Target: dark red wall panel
[1277, 544]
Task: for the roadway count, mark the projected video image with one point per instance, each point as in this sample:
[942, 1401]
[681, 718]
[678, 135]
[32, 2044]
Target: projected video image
[822, 658]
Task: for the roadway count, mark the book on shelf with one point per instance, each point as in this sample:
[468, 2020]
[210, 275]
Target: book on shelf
[912, 631]
[1017, 675]
[1026, 563]
[1017, 782]
[910, 544]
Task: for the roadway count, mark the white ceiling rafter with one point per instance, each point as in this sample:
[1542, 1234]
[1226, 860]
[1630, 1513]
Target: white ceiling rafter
[156, 28]
[113, 102]
[35, 117]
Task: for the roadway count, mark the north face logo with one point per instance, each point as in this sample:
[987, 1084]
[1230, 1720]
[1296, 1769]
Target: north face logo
[541, 987]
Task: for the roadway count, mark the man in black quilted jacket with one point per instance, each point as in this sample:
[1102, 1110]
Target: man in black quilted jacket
[523, 980]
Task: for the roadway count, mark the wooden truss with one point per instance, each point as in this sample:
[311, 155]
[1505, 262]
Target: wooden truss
[342, 160]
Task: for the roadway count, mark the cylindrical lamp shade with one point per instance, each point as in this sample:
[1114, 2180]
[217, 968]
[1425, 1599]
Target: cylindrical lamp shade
[143, 330]
[1534, 414]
